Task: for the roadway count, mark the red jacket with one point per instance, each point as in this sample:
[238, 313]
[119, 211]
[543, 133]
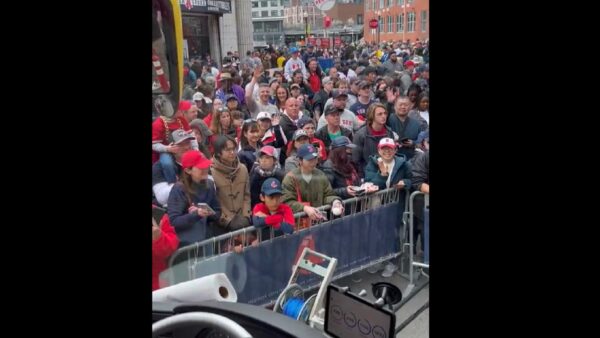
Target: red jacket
[283, 209]
[162, 249]
[315, 82]
[160, 133]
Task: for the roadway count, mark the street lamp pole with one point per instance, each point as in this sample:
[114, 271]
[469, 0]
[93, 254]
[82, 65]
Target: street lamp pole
[378, 13]
[306, 28]
[403, 21]
[378, 26]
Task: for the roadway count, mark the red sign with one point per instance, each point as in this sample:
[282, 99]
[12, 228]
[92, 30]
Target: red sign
[337, 42]
[307, 242]
[326, 21]
[312, 41]
[373, 23]
[324, 43]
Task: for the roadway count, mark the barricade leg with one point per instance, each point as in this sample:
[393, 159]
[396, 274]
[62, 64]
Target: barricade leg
[426, 233]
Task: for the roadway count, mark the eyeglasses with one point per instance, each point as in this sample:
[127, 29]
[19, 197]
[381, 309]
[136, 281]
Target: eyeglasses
[248, 121]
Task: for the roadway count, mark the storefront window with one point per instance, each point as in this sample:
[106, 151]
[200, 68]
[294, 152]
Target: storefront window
[195, 32]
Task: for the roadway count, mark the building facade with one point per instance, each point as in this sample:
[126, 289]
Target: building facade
[347, 18]
[267, 22]
[399, 20]
[215, 27]
[201, 27]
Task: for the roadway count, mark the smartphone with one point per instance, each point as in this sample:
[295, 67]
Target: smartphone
[206, 207]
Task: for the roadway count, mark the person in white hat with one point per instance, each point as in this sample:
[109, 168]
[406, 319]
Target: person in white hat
[388, 170]
[202, 102]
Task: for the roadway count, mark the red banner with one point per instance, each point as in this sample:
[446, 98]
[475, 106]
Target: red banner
[338, 41]
[312, 41]
[325, 43]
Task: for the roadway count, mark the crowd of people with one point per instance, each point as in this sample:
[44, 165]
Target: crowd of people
[259, 138]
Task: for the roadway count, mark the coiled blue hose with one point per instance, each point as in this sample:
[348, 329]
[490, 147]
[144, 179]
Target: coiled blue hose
[292, 307]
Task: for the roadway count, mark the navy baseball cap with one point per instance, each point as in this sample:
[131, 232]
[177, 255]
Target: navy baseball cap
[342, 141]
[271, 186]
[307, 152]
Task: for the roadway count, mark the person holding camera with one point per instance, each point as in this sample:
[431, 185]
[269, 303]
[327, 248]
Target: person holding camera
[340, 170]
[186, 215]
[406, 127]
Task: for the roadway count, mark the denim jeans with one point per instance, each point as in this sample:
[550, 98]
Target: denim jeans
[168, 167]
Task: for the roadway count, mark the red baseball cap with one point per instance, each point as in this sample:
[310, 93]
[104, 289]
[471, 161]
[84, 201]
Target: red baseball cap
[185, 105]
[268, 150]
[194, 158]
[409, 63]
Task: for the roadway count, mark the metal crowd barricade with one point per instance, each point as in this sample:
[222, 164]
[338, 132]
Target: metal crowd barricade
[409, 215]
[217, 245]
[211, 250]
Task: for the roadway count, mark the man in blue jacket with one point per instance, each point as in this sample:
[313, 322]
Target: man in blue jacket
[407, 128]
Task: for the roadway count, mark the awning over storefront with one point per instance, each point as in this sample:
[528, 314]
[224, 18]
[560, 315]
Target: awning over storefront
[205, 6]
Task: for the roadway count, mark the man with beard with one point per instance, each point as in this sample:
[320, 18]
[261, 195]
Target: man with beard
[393, 66]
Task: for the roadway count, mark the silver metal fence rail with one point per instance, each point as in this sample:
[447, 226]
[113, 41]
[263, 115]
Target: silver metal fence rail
[409, 215]
[221, 244]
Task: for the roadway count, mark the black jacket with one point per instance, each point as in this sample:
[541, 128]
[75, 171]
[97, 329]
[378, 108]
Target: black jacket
[322, 135]
[319, 100]
[420, 175]
[420, 170]
[288, 126]
[248, 156]
[258, 177]
[337, 180]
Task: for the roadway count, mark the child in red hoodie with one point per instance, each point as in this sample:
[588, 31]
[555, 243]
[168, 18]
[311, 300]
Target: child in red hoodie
[164, 243]
[271, 212]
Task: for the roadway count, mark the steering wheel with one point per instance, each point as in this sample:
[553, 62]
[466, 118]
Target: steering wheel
[203, 319]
